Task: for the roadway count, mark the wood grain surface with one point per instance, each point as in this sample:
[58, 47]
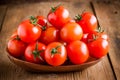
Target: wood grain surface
[108, 17]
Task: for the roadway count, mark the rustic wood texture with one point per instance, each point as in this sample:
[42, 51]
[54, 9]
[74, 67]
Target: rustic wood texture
[16, 13]
[3, 9]
[108, 14]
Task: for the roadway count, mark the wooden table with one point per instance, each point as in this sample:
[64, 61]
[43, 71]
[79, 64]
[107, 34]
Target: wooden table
[108, 15]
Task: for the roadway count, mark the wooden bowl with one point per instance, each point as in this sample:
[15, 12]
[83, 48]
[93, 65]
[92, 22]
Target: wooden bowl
[47, 68]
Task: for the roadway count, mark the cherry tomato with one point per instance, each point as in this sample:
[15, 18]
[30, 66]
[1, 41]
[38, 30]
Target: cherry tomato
[84, 38]
[41, 20]
[98, 47]
[55, 54]
[77, 52]
[35, 52]
[16, 47]
[87, 21]
[28, 31]
[71, 32]
[50, 34]
[58, 16]
[91, 36]
[104, 36]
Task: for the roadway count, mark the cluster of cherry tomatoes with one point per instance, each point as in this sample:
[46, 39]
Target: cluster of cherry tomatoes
[59, 40]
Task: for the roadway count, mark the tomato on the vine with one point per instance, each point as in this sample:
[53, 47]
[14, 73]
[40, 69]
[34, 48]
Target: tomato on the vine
[35, 52]
[55, 54]
[16, 47]
[58, 16]
[77, 52]
[87, 21]
[71, 32]
[29, 31]
[49, 34]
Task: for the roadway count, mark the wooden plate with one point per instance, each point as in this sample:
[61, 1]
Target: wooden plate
[47, 68]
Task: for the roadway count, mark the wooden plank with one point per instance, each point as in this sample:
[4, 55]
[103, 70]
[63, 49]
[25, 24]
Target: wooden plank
[2, 14]
[109, 19]
[15, 14]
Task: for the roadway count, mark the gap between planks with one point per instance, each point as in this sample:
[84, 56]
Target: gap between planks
[3, 9]
[111, 16]
[108, 52]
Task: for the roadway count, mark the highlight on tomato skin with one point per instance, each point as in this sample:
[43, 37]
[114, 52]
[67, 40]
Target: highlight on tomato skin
[49, 34]
[55, 54]
[34, 53]
[87, 21]
[41, 20]
[28, 32]
[78, 52]
[58, 16]
[85, 38]
[15, 46]
[71, 32]
[98, 48]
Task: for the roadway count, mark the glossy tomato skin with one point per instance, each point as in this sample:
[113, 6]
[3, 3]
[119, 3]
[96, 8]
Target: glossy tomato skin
[16, 47]
[71, 32]
[28, 32]
[58, 17]
[104, 36]
[49, 35]
[58, 58]
[98, 48]
[30, 57]
[88, 22]
[77, 52]
[84, 37]
[98, 35]
[41, 20]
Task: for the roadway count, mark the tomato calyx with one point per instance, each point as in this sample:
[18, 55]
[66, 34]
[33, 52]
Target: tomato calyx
[94, 37]
[100, 30]
[37, 52]
[54, 50]
[33, 20]
[78, 17]
[44, 28]
[53, 9]
[17, 38]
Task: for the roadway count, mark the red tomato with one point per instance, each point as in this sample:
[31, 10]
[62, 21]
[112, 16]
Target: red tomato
[41, 20]
[71, 32]
[84, 38]
[16, 47]
[28, 31]
[55, 54]
[71, 20]
[77, 52]
[35, 52]
[98, 48]
[92, 36]
[58, 16]
[87, 21]
[104, 36]
[50, 34]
